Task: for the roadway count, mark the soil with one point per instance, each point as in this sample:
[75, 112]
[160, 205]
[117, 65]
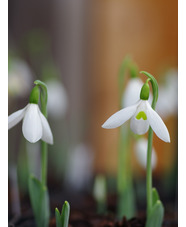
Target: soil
[86, 217]
[83, 211]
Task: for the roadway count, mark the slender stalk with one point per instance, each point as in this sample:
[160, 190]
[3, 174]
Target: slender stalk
[149, 172]
[44, 161]
[149, 148]
[124, 178]
[44, 146]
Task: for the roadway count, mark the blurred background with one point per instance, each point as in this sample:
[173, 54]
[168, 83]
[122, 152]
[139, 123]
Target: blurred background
[76, 48]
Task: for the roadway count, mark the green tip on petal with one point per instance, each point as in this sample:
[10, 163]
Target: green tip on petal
[34, 95]
[140, 115]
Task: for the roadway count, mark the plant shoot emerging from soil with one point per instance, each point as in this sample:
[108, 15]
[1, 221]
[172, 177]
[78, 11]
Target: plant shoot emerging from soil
[142, 116]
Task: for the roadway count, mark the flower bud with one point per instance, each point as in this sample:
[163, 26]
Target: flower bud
[34, 95]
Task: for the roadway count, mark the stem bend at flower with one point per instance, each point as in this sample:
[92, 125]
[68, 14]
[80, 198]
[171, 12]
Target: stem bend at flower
[44, 150]
[43, 96]
[154, 88]
[149, 148]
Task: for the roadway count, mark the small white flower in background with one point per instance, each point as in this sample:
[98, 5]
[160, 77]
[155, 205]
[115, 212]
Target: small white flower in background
[57, 99]
[100, 188]
[35, 125]
[19, 78]
[167, 104]
[132, 91]
[142, 115]
[80, 167]
[141, 153]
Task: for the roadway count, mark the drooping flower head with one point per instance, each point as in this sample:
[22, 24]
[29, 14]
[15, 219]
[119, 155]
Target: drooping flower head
[35, 125]
[142, 116]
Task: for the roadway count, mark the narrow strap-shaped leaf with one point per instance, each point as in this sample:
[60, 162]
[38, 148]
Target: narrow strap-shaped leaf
[39, 201]
[155, 218]
[63, 218]
[65, 214]
[58, 218]
[155, 196]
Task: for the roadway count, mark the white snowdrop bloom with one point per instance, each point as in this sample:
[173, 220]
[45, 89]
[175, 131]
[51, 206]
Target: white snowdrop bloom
[80, 167]
[142, 116]
[168, 93]
[100, 188]
[57, 99]
[141, 153]
[19, 78]
[132, 91]
[35, 125]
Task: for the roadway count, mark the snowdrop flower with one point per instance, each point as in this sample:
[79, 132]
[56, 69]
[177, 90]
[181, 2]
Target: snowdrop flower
[19, 78]
[168, 93]
[35, 125]
[57, 99]
[142, 116]
[100, 188]
[141, 153]
[80, 167]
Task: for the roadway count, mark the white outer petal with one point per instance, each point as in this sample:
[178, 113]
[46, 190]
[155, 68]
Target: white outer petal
[47, 133]
[16, 117]
[120, 117]
[32, 127]
[157, 124]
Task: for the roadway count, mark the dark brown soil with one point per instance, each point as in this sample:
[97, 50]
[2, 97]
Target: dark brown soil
[83, 212]
[79, 219]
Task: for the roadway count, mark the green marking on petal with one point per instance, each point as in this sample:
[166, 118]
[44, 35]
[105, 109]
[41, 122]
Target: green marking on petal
[140, 115]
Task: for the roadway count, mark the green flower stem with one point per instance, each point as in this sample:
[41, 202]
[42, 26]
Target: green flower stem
[44, 161]
[126, 66]
[149, 148]
[44, 146]
[149, 172]
[126, 205]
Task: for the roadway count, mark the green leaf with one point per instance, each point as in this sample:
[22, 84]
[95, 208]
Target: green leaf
[63, 218]
[155, 218]
[58, 218]
[126, 203]
[155, 196]
[39, 201]
[65, 214]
